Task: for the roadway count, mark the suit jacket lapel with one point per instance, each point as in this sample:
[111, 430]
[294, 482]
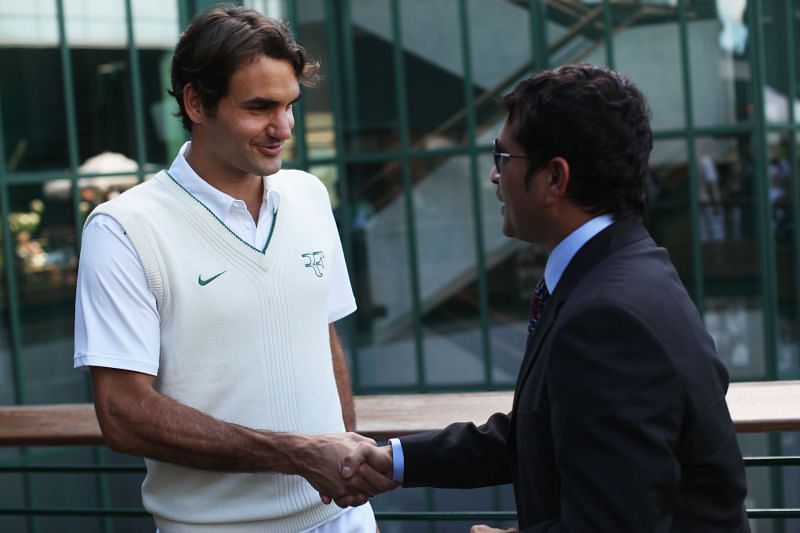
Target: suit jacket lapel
[601, 245]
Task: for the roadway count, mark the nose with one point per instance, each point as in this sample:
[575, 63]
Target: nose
[494, 176]
[280, 127]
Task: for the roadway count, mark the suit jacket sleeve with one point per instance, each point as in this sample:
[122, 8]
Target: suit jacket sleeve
[616, 404]
[460, 456]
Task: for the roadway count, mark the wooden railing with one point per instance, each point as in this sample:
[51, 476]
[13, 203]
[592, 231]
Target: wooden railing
[754, 406]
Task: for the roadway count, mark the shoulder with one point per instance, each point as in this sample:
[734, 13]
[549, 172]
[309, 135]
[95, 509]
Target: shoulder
[143, 199]
[303, 185]
[292, 179]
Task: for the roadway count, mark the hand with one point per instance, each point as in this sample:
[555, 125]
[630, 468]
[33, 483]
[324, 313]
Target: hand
[367, 471]
[321, 461]
[486, 529]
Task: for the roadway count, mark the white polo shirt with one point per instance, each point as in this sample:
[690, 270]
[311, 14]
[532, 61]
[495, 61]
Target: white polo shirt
[116, 319]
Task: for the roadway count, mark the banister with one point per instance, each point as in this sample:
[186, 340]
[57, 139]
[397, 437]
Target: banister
[755, 407]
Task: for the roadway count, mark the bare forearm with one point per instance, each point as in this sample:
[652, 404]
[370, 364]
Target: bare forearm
[342, 375]
[161, 428]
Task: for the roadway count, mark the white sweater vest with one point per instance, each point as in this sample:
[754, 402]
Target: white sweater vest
[244, 338]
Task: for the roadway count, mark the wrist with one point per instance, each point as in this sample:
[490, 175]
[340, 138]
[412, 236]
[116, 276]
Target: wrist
[291, 451]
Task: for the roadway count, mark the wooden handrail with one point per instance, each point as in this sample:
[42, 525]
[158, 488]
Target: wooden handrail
[755, 407]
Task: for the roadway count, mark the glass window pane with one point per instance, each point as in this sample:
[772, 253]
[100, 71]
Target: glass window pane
[43, 229]
[444, 219]
[495, 69]
[367, 81]
[434, 68]
[669, 216]
[379, 268]
[32, 96]
[156, 29]
[317, 101]
[732, 274]
[782, 193]
[102, 78]
[718, 41]
[647, 50]
[776, 93]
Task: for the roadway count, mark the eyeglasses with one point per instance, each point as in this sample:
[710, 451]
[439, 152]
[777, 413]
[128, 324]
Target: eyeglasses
[501, 157]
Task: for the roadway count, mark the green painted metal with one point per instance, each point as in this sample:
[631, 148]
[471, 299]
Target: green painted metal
[380, 515]
[331, 30]
[764, 232]
[794, 156]
[764, 207]
[14, 322]
[694, 200]
[539, 50]
[103, 491]
[136, 87]
[408, 189]
[72, 123]
[301, 147]
[608, 29]
[477, 215]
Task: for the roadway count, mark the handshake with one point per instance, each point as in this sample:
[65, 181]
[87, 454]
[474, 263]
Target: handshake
[346, 468]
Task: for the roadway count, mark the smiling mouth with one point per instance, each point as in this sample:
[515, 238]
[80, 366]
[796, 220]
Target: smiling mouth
[270, 150]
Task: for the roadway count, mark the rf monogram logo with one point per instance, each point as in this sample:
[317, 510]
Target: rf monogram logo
[315, 260]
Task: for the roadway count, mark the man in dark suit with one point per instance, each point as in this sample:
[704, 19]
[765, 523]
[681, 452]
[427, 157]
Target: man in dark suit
[619, 421]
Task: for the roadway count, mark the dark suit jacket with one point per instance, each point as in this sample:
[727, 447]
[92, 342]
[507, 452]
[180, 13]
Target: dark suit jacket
[619, 421]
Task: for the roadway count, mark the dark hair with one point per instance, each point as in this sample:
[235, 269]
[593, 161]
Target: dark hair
[598, 121]
[222, 39]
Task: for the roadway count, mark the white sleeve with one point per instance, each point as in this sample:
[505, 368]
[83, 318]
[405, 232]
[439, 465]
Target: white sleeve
[116, 320]
[341, 301]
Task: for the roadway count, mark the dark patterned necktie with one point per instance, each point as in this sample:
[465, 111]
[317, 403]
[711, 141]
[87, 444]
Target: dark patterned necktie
[538, 299]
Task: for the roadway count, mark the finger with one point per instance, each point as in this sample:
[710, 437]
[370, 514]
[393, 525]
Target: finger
[351, 501]
[375, 482]
[479, 528]
[349, 466]
[325, 499]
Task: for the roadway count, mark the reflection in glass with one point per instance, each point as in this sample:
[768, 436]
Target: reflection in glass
[720, 76]
[34, 124]
[445, 231]
[777, 90]
[379, 267]
[368, 80]
[647, 50]
[436, 111]
[669, 221]
[782, 197]
[731, 251]
[311, 32]
[45, 263]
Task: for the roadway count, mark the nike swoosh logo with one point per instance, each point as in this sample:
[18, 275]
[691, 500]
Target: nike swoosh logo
[203, 282]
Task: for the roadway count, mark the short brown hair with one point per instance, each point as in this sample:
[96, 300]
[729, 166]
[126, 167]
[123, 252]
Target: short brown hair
[222, 39]
[597, 120]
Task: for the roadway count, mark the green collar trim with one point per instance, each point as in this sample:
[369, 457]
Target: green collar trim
[271, 229]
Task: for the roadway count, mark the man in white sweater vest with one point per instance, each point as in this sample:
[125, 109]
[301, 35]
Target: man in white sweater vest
[206, 300]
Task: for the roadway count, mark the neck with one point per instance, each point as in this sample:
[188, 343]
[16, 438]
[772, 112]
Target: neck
[571, 221]
[237, 184]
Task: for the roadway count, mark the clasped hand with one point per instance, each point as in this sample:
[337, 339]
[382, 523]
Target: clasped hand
[364, 470]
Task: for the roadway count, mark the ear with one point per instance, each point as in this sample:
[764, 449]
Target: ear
[557, 180]
[193, 104]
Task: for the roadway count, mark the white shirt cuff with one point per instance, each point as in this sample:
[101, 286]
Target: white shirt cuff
[398, 464]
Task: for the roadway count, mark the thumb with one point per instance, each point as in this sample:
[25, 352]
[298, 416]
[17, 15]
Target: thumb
[347, 467]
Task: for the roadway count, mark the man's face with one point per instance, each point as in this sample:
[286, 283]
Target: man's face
[253, 120]
[522, 206]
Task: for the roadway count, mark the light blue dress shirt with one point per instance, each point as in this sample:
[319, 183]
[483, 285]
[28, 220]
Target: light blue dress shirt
[556, 264]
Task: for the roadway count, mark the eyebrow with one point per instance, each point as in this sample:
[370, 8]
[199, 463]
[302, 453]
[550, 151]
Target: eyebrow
[259, 102]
